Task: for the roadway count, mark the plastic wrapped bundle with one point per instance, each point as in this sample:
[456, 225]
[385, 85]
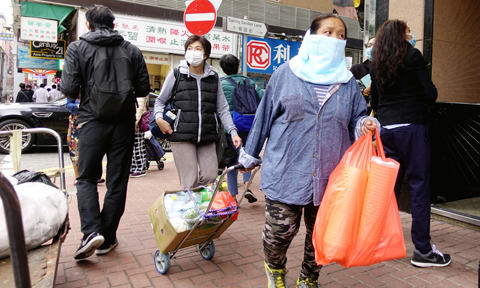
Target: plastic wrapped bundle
[44, 210]
[377, 204]
[381, 182]
[340, 224]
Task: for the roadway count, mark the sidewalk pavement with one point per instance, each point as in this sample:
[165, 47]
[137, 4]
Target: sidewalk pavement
[238, 261]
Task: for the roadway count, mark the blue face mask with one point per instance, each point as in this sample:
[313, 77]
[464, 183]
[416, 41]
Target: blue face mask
[321, 60]
[413, 41]
[368, 53]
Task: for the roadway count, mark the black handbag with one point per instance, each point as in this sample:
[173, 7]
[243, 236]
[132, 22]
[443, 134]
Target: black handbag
[226, 152]
[156, 131]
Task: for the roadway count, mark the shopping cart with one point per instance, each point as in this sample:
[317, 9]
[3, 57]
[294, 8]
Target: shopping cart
[154, 152]
[201, 235]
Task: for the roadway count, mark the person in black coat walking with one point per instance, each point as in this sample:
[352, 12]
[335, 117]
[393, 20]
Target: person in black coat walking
[97, 137]
[401, 92]
[22, 95]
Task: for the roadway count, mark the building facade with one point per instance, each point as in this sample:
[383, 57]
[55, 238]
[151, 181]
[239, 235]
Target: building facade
[157, 28]
[7, 59]
[447, 34]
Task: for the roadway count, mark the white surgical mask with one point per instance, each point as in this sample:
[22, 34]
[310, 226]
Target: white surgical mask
[195, 58]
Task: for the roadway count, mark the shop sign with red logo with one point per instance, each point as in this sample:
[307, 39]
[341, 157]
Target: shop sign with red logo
[265, 55]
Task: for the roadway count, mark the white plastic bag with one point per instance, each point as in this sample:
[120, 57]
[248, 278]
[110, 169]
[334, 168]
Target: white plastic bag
[173, 205]
[44, 210]
[179, 224]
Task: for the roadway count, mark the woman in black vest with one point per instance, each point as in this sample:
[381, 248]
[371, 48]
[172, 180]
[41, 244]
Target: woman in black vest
[199, 103]
[401, 91]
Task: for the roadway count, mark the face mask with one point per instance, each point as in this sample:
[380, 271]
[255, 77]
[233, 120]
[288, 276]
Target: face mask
[368, 53]
[195, 58]
[321, 60]
[412, 41]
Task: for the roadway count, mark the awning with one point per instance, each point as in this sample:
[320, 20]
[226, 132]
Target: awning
[47, 11]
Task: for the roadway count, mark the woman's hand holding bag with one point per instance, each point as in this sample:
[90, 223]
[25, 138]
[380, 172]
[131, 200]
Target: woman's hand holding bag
[164, 126]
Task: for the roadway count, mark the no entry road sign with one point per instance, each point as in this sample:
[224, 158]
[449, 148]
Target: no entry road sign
[200, 17]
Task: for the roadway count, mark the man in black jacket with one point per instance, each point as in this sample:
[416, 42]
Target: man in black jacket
[22, 95]
[30, 93]
[97, 138]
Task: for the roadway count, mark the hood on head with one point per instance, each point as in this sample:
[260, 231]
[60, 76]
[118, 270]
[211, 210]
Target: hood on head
[103, 37]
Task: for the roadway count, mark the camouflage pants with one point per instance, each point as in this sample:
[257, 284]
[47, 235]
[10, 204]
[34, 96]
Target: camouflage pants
[282, 222]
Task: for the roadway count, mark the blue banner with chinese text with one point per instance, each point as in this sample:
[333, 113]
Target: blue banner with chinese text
[265, 55]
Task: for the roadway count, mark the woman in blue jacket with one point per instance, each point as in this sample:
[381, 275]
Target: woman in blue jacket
[309, 113]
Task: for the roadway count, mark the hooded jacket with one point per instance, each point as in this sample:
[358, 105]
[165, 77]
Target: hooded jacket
[207, 100]
[78, 72]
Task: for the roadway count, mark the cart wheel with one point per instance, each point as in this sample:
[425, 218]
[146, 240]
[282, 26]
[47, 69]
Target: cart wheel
[161, 165]
[147, 164]
[208, 252]
[162, 262]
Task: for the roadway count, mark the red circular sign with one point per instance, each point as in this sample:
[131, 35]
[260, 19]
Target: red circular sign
[200, 17]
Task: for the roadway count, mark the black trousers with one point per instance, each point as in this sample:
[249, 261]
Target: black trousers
[410, 146]
[95, 139]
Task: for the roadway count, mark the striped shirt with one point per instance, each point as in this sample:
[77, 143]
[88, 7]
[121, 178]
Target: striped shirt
[321, 91]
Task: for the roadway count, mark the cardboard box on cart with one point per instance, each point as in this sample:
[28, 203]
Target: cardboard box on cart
[168, 238]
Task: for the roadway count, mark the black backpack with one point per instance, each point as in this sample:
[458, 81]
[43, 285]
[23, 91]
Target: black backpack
[245, 103]
[111, 96]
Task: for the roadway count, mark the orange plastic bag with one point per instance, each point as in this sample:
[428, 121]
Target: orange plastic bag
[225, 200]
[358, 223]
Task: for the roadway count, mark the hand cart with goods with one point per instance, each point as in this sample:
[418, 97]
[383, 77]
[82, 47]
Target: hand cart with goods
[154, 152]
[37, 267]
[210, 223]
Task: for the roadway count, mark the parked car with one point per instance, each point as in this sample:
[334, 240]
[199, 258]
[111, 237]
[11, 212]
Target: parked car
[53, 115]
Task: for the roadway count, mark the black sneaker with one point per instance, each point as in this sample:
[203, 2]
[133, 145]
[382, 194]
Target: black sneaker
[250, 197]
[433, 258]
[105, 248]
[88, 245]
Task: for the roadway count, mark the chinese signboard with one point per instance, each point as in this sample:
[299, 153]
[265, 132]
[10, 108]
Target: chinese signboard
[158, 59]
[168, 37]
[38, 29]
[7, 36]
[48, 50]
[25, 61]
[265, 55]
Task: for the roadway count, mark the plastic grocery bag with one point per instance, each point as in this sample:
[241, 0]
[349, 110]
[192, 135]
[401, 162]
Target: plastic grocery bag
[358, 223]
[224, 200]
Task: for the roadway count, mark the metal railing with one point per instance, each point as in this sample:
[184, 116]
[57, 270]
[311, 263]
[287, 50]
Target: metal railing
[13, 215]
[61, 163]
[16, 237]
